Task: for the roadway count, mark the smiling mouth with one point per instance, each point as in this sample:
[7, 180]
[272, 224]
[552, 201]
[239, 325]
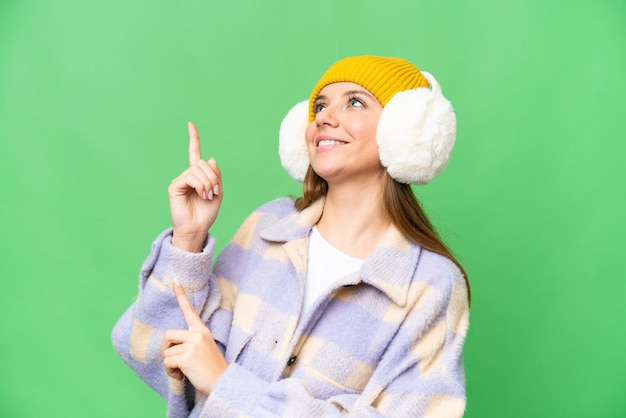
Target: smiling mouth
[329, 142]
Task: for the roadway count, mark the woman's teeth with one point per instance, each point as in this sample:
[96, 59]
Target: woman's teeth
[328, 142]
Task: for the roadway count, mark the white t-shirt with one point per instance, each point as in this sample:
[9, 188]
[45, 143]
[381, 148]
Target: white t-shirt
[325, 265]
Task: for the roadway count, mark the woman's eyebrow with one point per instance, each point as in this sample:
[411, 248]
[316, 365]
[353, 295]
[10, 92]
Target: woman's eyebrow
[365, 92]
[349, 93]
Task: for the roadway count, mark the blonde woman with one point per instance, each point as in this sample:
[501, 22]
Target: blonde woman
[342, 302]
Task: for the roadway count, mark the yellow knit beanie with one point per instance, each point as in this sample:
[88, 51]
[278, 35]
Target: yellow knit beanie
[381, 76]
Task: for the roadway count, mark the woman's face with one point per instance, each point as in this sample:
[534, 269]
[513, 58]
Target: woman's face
[342, 139]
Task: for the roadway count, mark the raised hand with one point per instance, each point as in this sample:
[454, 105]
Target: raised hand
[195, 198]
[192, 353]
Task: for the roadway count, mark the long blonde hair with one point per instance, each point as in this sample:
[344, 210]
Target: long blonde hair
[402, 207]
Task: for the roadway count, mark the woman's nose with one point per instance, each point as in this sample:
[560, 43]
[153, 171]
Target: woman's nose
[327, 116]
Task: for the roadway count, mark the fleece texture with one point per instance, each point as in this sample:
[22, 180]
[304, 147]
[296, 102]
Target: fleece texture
[384, 341]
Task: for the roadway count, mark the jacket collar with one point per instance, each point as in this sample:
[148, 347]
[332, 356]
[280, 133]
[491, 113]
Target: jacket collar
[390, 267]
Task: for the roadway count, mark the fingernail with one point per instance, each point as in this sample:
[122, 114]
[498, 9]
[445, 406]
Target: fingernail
[204, 194]
[176, 282]
[210, 194]
[216, 189]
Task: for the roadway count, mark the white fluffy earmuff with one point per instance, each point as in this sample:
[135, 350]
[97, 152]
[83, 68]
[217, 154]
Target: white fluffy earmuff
[294, 155]
[415, 135]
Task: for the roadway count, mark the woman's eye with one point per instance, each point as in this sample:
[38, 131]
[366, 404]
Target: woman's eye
[356, 102]
[318, 107]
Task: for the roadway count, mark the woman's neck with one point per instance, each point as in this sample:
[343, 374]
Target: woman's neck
[354, 220]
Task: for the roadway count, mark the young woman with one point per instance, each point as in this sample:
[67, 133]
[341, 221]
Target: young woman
[342, 302]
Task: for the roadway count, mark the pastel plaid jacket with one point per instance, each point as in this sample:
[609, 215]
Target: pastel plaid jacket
[384, 341]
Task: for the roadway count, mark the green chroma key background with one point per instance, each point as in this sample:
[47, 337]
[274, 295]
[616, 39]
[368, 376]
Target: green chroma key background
[94, 101]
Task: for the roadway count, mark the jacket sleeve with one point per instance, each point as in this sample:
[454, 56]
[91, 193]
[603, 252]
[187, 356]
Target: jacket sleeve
[420, 374]
[138, 333]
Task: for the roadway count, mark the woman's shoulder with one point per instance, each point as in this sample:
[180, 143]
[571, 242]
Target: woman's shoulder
[440, 264]
[281, 207]
[441, 273]
[262, 217]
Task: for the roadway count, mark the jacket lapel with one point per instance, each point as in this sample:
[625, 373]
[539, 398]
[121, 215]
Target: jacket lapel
[390, 267]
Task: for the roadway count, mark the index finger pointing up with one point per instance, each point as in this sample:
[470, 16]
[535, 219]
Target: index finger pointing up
[193, 320]
[194, 144]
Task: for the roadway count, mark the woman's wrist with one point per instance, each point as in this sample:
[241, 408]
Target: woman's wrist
[192, 243]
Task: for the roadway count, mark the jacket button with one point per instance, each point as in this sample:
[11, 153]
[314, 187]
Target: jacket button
[291, 360]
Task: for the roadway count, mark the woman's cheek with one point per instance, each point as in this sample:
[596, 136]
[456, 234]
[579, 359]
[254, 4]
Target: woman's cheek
[309, 135]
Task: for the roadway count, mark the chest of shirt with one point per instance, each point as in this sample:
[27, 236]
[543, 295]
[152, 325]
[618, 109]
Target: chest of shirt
[335, 345]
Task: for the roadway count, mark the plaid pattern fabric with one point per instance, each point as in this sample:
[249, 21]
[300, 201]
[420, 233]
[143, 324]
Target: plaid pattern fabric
[384, 341]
